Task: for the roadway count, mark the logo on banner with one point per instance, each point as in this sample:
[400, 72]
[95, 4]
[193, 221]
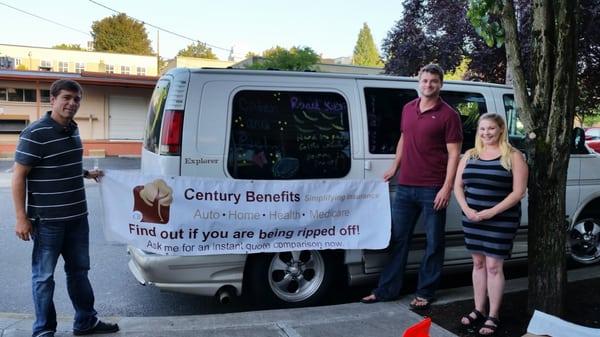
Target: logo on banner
[152, 202]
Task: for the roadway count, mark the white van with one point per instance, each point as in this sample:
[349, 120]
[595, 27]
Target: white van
[242, 124]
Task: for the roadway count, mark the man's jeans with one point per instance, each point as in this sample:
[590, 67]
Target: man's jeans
[71, 240]
[408, 204]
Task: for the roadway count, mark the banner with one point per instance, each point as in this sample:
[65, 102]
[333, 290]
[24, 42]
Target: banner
[197, 216]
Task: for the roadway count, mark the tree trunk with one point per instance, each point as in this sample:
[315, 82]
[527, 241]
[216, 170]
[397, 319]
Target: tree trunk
[547, 232]
[547, 114]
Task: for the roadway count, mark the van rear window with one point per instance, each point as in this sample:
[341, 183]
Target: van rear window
[155, 114]
[289, 135]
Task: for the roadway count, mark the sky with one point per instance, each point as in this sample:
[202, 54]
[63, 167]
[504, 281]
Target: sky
[329, 27]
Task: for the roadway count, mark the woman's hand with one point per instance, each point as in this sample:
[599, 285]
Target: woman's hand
[486, 214]
[472, 215]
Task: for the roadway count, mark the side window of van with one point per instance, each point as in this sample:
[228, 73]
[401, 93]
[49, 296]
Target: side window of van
[516, 130]
[384, 110]
[470, 106]
[155, 113]
[289, 135]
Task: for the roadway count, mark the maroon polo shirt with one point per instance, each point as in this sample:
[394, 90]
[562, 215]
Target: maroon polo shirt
[425, 135]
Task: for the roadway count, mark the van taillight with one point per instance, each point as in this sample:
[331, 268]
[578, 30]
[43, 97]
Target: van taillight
[170, 143]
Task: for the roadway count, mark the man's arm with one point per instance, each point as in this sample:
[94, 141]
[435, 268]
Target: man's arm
[391, 172]
[23, 227]
[443, 196]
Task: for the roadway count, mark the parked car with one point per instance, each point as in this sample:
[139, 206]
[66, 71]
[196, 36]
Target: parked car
[592, 138]
[194, 118]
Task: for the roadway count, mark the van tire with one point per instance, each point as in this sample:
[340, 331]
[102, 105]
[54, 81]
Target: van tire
[584, 240]
[290, 279]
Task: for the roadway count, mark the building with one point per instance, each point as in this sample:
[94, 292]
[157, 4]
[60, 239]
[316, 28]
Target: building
[111, 118]
[322, 67]
[196, 62]
[76, 61]
[117, 92]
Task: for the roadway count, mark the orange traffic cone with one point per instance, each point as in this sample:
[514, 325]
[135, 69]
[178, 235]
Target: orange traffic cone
[420, 329]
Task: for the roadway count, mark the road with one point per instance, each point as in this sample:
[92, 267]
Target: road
[117, 292]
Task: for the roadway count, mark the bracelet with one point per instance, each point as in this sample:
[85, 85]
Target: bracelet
[86, 173]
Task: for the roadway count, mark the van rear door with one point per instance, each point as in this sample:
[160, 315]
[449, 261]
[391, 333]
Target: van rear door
[270, 127]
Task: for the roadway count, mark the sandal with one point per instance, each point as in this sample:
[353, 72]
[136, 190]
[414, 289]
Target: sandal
[490, 327]
[479, 317]
[419, 303]
[370, 299]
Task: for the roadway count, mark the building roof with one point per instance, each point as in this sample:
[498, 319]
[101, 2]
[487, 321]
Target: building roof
[84, 78]
[75, 50]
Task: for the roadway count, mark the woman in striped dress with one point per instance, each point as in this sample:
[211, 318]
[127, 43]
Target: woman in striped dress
[490, 182]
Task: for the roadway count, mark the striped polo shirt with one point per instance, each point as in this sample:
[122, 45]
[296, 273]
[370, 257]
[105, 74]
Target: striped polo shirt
[55, 189]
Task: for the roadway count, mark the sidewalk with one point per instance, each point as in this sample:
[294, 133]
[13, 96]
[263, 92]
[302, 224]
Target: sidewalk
[353, 319]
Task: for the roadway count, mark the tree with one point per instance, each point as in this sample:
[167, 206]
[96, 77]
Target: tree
[406, 48]
[365, 51]
[66, 46]
[297, 59]
[121, 34]
[198, 49]
[588, 102]
[429, 31]
[459, 72]
[546, 101]
[251, 54]
[489, 63]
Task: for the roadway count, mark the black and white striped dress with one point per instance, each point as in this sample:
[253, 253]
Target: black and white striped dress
[487, 183]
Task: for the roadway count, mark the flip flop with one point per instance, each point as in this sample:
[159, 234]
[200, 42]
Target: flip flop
[419, 303]
[370, 299]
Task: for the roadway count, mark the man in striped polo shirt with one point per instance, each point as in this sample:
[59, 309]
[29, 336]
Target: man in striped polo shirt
[48, 169]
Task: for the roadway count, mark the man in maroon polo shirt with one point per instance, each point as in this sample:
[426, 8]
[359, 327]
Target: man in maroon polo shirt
[427, 155]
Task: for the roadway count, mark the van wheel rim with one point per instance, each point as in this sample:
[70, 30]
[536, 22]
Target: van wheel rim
[296, 276]
[584, 241]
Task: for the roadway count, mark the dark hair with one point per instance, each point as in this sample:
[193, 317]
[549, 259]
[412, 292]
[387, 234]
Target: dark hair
[68, 85]
[433, 68]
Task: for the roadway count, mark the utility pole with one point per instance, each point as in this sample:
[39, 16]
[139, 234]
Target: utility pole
[158, 52]
[231, 58]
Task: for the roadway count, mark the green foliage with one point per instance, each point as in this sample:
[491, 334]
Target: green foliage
[197, 50]
[121, 34]
[471, 111]
[66, 46]
[479, 14]
[459, 72]
[591, 118]
[162, 64]
[296, 59]
[365, 51]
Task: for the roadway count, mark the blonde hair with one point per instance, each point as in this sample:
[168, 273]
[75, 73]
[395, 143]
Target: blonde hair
[506, 149]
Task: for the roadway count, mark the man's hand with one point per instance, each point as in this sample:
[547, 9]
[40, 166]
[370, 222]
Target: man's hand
[24, 229]
[390, 173]
[95, 174]
[441, 199]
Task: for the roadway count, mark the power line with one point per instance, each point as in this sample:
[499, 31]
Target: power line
[43, 18]
[162, 29]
